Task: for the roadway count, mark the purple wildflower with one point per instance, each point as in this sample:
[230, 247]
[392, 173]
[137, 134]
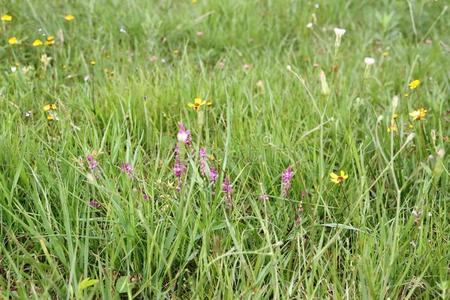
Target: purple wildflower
[227, 190]
[286, 179]
[127, 168]
[183, 135]
[94, 203]
[202, 154]
[178, 168]
[93, 164]
[213, 175]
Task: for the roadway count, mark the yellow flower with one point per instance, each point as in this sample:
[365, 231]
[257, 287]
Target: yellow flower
[198, 103]
[37, 43]
[335, 178]
[414, 84]
[69, 18]
[392, 127]
[209, 103]
[419, 114]
[50, 117]
[6, 18]
[50, 40]
[92, 62]
[50, 106]
[12, 40]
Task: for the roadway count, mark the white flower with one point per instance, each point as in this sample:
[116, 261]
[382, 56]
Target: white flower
[182, 136]
[339, 32]
[369, 60]
[309, 25]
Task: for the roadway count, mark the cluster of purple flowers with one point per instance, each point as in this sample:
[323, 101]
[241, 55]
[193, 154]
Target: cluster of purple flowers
[207, 170]
[286, 178]
[92, 163]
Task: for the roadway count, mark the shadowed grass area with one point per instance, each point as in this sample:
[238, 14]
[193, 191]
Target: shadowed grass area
[91, 145]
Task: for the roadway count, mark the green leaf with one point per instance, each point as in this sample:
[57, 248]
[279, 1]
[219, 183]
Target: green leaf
[122, 284]
[85, 283]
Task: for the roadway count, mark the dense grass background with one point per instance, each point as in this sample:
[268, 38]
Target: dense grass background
[383, 233]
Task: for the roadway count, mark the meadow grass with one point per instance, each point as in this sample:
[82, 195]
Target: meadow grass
[78, 223]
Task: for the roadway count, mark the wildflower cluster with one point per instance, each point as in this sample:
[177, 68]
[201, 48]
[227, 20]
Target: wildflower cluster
[50, 110]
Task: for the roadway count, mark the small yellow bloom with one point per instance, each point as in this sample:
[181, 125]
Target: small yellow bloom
[335, 178]
[50, 40]
[50, 117]
[92, 62]
[419, 114]
[198, 103]
[50, 106]
[69, 18]
[12, 40]
[414, 84]
[392, 127]
[37, 43]
[6, 18]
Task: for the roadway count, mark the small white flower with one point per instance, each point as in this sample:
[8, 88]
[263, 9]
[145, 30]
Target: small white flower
[339, 32]
[309, 25]
[369, 61]
[122, 29]
[13, 69]
[182, 136]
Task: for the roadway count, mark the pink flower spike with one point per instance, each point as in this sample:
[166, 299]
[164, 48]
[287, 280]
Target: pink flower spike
[286, 179]
[93, 164]
[94, 204]
[126, 168]
[213, 175]
[202, 154]
[178, 168]
[227, 189]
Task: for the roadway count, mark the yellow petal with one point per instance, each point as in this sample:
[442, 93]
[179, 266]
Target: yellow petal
[69, 18]
[12, 40]
[37, 43]
[6, 18]
[333, 175]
